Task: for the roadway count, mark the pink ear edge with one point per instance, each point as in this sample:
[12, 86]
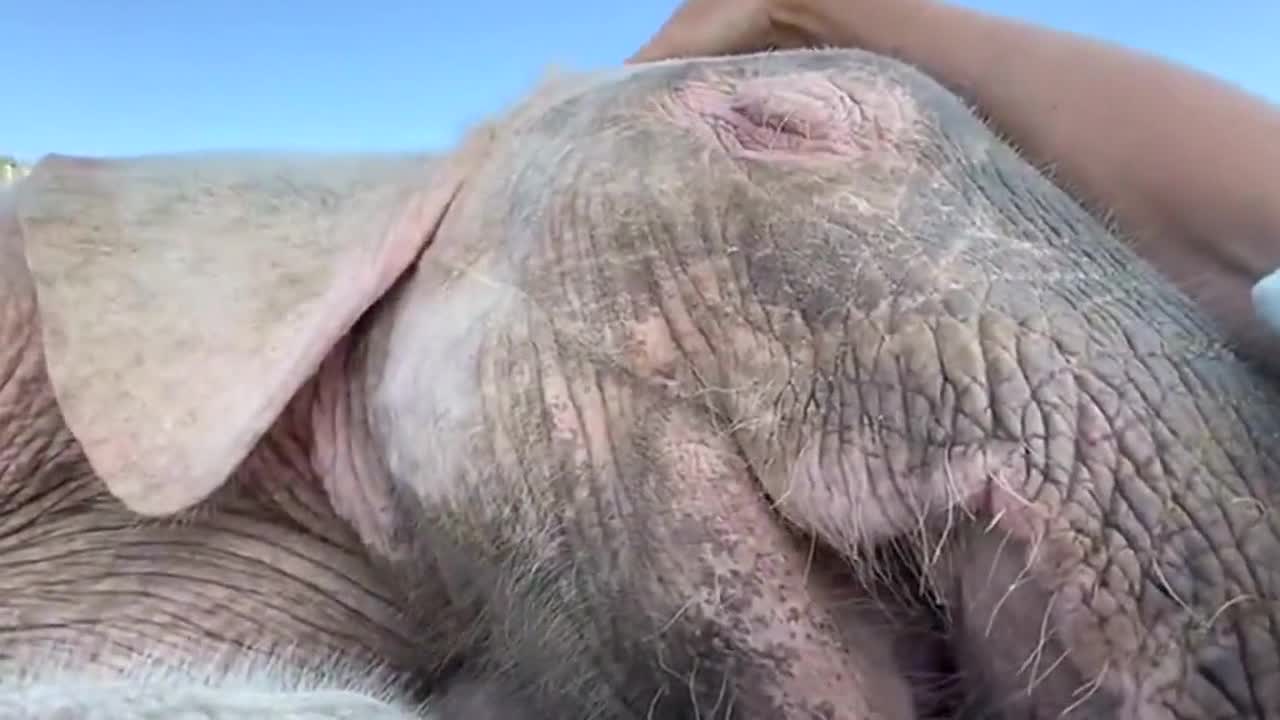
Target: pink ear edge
[155, 477]
[151, 492]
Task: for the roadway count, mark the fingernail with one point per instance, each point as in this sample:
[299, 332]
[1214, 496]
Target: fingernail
[1266, 300]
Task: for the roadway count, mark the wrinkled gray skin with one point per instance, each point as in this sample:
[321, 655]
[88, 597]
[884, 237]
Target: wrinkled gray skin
[770, 387]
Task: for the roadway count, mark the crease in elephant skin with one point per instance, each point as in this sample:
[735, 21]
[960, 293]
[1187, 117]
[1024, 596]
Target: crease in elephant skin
[771, 386]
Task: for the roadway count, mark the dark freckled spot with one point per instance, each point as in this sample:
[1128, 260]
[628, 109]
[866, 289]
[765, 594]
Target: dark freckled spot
[799, 276]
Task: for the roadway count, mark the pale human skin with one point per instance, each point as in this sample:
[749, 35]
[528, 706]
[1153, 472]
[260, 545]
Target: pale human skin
[1188, 165]
[637, 395]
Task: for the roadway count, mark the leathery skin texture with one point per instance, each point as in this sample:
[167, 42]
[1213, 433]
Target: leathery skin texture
[707, 323]
[761, 387]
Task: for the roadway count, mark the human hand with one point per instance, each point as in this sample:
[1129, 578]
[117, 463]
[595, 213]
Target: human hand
[726, 27]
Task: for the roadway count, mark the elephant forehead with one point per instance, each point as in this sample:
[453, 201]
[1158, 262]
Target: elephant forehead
[596, 178]
[798, 117]
[817, 95]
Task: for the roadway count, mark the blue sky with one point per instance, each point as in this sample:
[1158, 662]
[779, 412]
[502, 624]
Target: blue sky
[137, 76]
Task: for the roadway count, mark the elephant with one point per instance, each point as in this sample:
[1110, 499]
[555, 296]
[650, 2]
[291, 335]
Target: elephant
[767, 386]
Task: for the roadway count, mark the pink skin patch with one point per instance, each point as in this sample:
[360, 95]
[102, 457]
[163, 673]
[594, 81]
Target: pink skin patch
[793, 116]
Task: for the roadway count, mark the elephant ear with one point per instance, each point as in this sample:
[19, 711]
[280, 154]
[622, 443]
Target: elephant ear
[184, 299]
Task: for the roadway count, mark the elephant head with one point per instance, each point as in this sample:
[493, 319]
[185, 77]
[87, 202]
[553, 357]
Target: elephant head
[770, 386]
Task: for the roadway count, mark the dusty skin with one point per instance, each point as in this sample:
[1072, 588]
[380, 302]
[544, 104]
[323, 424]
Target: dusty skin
[766, 387]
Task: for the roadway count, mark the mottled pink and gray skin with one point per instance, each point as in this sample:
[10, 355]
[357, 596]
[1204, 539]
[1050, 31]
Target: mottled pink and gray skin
[894, 327]
[764, 387]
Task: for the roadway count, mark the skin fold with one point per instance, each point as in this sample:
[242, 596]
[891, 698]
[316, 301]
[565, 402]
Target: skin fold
[763, 387]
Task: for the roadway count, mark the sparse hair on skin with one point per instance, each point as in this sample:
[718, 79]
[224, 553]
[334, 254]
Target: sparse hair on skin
[151, 688]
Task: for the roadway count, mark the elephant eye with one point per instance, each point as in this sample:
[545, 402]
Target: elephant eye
[796, 116]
